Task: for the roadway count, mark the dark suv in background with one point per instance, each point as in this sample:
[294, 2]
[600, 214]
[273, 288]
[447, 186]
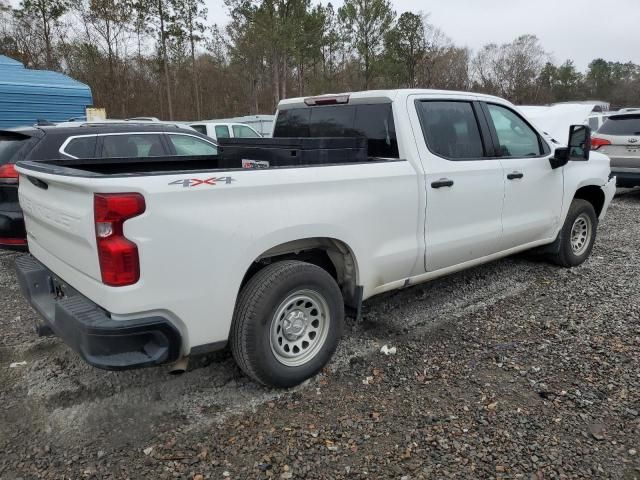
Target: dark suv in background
[83, 140]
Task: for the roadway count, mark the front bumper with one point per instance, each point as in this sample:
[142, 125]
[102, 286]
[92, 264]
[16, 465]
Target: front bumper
[89, 330]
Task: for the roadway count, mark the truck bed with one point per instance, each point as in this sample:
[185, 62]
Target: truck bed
[99, 167]
[234, 155]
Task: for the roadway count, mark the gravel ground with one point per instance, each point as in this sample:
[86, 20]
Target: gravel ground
[517, 369]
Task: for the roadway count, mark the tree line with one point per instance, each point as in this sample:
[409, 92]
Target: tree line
[160, 58]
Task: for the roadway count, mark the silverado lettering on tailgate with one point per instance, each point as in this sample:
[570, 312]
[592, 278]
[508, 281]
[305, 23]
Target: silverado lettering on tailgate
[194, 182]
[63, 220]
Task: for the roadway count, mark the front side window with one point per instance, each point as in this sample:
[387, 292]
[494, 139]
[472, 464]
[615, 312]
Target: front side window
[188, 145]
[242, 131]
[515, 137]
[222, 131]
[451, 129]
[81, 147]
[132, 145]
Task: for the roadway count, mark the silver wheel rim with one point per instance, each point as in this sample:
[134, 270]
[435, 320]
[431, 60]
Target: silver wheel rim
[299, 328]
[580, 234]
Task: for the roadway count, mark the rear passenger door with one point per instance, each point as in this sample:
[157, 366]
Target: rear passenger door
[533, 190]
[465, 186]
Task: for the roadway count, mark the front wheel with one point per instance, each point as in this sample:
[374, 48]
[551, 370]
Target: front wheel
[578, 234]
[287, 323]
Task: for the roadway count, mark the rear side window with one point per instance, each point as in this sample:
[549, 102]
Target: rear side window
[134, 145]
[200, 128]
[451, 129]
[242, 131]
[81, 147]
[10, 145]
[222, 131]
[593, 123]
[189, 145]
[621, 125]
[375, 122]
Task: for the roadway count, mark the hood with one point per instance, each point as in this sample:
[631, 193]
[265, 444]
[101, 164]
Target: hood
[555, 120]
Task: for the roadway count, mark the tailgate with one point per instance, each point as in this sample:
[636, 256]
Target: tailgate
[58, 214]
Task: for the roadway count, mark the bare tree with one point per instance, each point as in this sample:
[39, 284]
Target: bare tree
[510, 70]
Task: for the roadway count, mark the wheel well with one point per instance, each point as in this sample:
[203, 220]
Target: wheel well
[594, 195]
[333, 256]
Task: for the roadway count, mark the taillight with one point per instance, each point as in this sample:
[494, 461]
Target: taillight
[118, 256]
[13, 241]
[8, 174]
[596, 143]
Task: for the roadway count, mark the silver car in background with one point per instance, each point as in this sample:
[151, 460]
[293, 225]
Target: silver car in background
[619, 138]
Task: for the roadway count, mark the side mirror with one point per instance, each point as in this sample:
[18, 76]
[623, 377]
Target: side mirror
[560, 157]
[579, 142]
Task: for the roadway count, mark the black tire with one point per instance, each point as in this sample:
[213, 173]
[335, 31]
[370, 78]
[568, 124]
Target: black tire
[259, 301]
[565, 255]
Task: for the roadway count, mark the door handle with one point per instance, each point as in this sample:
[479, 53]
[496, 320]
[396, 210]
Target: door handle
[443, 182]
[514, 175]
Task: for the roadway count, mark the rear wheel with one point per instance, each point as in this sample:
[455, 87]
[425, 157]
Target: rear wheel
[287, 323]
[578, 234]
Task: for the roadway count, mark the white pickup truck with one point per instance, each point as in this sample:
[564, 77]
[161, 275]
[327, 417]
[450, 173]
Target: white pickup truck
[147, 261]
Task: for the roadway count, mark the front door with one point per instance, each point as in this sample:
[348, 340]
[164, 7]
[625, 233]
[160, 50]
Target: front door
[533, 190]
[465, 188]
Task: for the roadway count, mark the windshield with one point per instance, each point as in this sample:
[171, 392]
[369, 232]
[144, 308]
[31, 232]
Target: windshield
[621, 125]
[10, 143]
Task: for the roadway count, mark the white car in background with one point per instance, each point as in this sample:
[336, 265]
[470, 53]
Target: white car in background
[218, 130]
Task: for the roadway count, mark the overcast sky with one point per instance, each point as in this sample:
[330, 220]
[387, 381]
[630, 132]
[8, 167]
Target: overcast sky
[580, 30]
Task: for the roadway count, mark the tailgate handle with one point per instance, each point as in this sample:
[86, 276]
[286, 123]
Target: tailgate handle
[38, 183]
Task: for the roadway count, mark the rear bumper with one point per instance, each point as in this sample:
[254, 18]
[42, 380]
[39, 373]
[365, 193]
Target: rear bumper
[12, 232]
[89, 330]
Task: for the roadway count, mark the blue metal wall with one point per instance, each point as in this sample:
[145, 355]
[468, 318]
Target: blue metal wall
[30, 95]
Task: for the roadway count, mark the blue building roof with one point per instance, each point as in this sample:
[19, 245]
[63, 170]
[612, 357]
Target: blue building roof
[29, 95]
[9, 62]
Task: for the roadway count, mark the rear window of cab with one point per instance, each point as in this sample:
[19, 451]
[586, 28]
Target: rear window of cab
[374, 122]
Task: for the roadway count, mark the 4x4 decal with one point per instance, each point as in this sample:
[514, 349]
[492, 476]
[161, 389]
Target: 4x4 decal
[194, 182]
